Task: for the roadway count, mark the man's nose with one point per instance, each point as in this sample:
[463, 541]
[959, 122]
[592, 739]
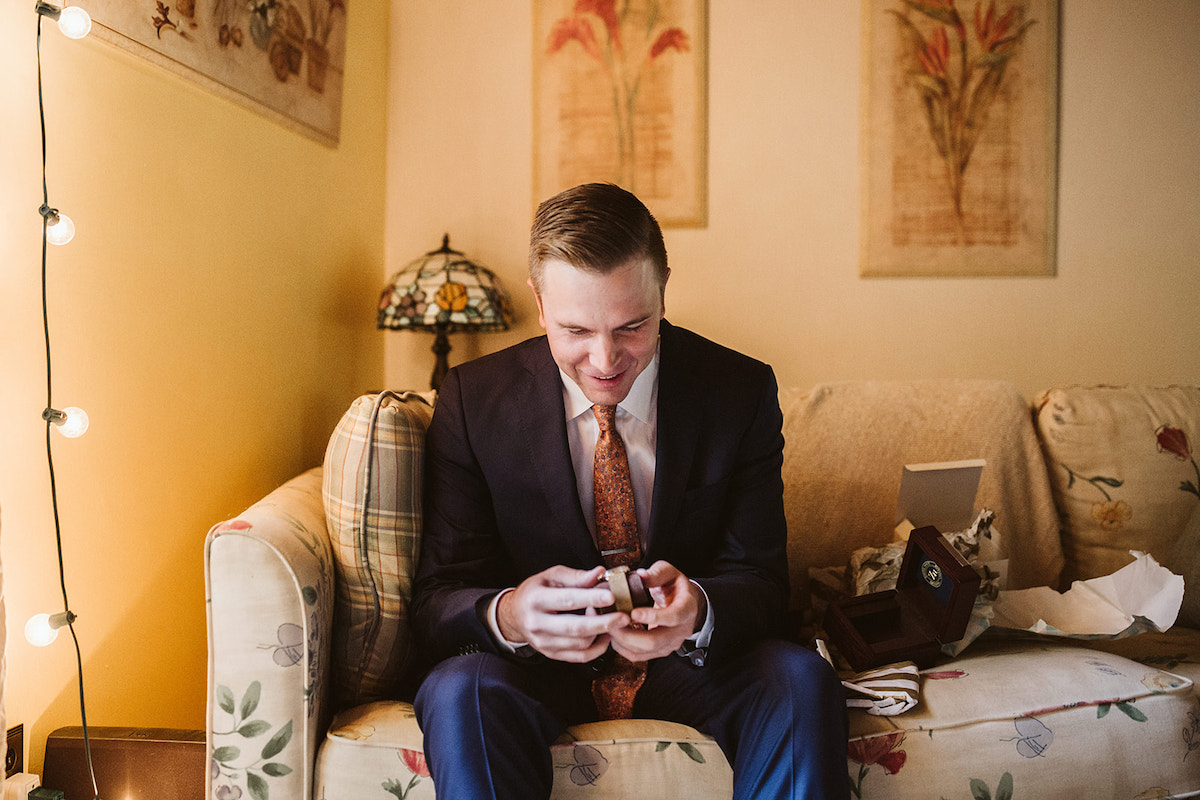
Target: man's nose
[604, 355]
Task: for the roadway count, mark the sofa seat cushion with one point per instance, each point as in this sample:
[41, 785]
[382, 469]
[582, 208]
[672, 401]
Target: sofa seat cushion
[378, 746]
[1176, 650]
[371, 750]
[621, 758]
[1026, 715]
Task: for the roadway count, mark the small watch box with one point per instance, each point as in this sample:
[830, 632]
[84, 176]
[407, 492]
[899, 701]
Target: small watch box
[929, 607]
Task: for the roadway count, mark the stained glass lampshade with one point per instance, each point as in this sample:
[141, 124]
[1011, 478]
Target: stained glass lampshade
[443, 292]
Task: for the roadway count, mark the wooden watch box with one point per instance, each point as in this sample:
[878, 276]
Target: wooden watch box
[929, 607]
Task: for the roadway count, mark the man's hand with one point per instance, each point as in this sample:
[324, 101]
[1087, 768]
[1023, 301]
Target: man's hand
[679, 610]
[534, 613]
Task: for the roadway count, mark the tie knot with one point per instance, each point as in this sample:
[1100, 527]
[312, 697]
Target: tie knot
[606, 416]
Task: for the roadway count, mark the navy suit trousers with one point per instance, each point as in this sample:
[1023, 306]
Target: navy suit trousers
[777, 712]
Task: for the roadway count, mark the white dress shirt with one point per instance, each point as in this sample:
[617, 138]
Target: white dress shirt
[637, 425]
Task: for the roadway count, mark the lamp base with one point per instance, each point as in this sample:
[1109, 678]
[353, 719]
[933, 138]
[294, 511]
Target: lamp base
[441, 349]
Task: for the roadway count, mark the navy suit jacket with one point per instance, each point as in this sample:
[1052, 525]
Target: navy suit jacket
[501, 501]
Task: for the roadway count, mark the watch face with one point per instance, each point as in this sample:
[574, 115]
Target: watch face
[931, 573]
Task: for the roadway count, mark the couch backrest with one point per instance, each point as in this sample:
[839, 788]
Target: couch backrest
[846, 446]
[1117, 461]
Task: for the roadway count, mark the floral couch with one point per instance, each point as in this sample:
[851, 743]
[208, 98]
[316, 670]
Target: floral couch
[310, 656]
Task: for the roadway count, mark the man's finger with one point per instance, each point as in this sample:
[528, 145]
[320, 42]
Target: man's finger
[566, 577]
[557, 600]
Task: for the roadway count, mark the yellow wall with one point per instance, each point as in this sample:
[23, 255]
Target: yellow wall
[214, 315]
[783, 232]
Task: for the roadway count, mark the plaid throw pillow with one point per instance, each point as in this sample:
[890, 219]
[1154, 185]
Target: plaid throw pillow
[372, 492]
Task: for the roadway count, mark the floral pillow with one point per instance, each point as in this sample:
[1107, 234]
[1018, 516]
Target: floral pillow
[1122, 470]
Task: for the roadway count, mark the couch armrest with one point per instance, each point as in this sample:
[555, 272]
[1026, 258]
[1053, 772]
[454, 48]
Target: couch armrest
[269, 589]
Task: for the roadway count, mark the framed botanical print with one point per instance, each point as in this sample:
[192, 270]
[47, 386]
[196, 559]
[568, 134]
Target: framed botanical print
[620, 96]
[959, 137]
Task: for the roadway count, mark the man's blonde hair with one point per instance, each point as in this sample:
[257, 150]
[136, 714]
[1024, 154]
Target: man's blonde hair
[595, 227]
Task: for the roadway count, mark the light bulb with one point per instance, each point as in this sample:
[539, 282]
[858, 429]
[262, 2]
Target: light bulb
[74, 22]
[42, 629]
[72, 421]
[60, 230]
[76, 423]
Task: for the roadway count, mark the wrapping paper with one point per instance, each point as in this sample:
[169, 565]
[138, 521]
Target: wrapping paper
[1139, 597]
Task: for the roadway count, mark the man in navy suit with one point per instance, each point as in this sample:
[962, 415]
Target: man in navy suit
[507, 599]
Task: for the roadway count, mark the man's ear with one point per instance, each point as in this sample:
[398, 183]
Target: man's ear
[537, 298]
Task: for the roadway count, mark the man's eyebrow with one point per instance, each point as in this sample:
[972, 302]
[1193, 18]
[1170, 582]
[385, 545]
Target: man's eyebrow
[633, 323]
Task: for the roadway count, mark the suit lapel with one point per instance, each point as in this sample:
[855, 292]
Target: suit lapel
[549, 454]
[678, 431]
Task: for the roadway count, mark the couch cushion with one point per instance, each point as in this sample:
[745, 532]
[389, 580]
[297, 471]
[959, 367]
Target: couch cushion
[372, 493]
[379, 745]
[1045, 720]
[1033, 712]
[1121, 466]
[373, 750]
[847, 444]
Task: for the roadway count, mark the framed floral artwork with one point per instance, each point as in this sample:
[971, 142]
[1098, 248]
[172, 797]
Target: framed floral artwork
[620, 96]
[959, 137]
[281, 58]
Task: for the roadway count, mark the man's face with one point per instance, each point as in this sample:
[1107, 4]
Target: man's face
[602, 329]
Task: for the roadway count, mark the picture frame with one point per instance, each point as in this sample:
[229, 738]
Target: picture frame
[620, 96]
[959, 138]
[281, 58]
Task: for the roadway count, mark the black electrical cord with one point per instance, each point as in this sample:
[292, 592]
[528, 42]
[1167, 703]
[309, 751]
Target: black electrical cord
[47, 213]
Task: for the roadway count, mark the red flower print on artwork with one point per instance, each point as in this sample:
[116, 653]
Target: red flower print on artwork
[670, 38]
[606, 10]
[936, 53]
[575, 29]
[991, 32]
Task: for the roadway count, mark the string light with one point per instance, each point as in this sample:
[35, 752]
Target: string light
[72, 421]
[57, 228]
[60, 229]
[73, 21]
[42, 629]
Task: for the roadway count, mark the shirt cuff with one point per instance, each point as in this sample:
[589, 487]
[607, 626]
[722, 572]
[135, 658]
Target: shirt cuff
[494, 624]
[702, 637]
[695, 647]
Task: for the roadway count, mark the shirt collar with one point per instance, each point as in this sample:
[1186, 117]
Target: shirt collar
[639, 402]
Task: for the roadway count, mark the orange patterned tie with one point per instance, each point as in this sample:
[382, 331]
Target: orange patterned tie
[617, 536]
